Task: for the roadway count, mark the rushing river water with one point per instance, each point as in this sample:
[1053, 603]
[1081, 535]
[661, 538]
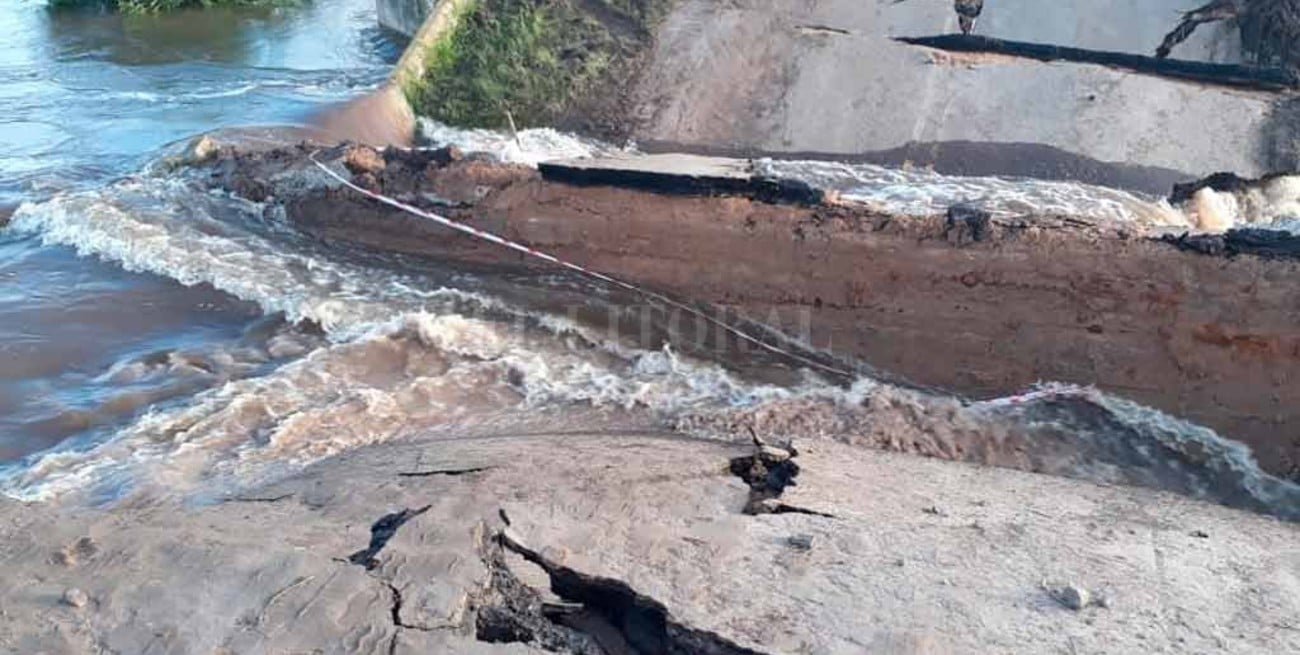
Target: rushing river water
[157, 337]
[88, 97]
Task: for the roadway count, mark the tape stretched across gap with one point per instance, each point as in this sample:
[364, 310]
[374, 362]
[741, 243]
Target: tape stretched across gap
[537, 254]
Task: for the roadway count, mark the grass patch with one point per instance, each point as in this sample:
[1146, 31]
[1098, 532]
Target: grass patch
[534, 58]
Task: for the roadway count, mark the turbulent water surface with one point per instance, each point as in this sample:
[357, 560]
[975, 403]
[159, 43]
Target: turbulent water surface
[157, 337]
[88, 97]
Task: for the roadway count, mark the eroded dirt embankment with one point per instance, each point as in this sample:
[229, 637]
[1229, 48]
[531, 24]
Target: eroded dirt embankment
[980, 307]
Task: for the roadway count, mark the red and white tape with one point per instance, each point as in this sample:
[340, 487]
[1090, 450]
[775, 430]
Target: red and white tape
[537, 254]
[1043, 392]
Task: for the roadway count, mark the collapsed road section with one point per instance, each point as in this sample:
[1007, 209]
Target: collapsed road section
[984, 309]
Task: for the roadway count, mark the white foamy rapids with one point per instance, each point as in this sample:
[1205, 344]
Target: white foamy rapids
[1116, 440]
[925, 193]
[423, 371]
[330, 84]
[1272, 203]
[1056, 429]
[903, 191]
[533, 145]
[404, 356]
[163, 227]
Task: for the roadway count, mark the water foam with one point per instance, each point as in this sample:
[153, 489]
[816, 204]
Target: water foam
[1058, 429]
[164, 227]
[340, 396]
[420, 372]
[530, 147]
[1271, 203]
[924, 193]
[913, 192]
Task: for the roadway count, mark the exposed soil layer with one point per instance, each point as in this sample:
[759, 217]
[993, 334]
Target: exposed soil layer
[980, 306]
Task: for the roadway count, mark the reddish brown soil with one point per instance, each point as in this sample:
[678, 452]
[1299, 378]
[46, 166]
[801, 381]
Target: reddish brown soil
[1211, 339]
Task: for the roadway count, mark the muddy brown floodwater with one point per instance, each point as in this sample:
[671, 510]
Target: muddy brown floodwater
[930, 312]
[986, 310]
[87, 97]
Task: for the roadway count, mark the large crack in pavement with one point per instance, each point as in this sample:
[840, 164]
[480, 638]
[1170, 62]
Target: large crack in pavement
[505, 610]
[606, 616]
[381, 532]
[451, 472]
[510, 611]
[592, 615]
[1263, 78]
[619, 618]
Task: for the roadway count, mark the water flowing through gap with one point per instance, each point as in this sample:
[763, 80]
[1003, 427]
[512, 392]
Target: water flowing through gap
[87, 97]
[216, 346]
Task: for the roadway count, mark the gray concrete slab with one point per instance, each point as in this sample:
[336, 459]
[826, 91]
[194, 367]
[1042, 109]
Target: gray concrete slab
[921, 556]
[829, 77]
[680, 173]
[667, 164]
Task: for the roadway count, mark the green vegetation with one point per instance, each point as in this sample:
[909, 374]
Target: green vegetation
[536, 59]
[160, 6]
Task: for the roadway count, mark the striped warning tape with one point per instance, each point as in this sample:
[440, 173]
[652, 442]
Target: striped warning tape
[1043, 392]
[531, 252]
